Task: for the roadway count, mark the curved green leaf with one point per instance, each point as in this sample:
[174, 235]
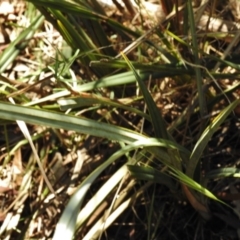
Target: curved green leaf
[59, 120]
[67, 222]
[206, 136]
[223, 173]
[151, 174]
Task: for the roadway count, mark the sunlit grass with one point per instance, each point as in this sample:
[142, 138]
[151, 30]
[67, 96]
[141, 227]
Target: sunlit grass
[121, 117]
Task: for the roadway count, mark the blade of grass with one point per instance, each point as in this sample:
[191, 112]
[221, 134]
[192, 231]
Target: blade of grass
[103, 224]
[67, 222]
[151, 174]
[58, 120]
[15, 47]
[199, 78]
[205, 137]
[84, 12]
[77, 102]
[154, 112]
[99, 197]
[115, 80]
[223, 173]
[23, 127]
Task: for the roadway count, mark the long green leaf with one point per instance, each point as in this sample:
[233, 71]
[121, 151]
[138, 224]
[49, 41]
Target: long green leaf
[67, 222]
[115, 80]
[157, 120]
[151, 174]
[223, 173]
[77, 102]
[202, 100]
[16, 46]
[58, 120]
[206, 136]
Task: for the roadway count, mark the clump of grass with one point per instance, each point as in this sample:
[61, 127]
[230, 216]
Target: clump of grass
[115, 129]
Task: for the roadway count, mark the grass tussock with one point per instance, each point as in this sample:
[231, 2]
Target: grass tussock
[119, 119]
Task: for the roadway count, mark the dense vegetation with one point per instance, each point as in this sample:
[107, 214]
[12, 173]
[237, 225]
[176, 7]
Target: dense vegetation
[119, 119]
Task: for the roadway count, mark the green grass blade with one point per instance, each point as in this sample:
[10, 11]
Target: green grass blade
[193, 184]
[99, 197]
[77, 102]
[154, 112]
[83, 11]
[67, 222]
[223, 173]
[151, 174]
[15, 47]
[58, 120]
[115, 80]
[202, 100]
[206, 136]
